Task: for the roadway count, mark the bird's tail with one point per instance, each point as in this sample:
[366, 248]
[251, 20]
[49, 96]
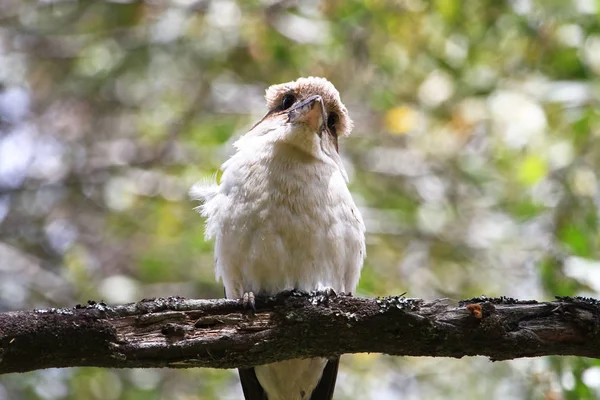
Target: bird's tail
[325, 387]
[250, 385]
[323, 391]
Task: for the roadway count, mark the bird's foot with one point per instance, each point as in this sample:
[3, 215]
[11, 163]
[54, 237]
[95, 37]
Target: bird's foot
[293, 293]
[323, 295]
[249, 303]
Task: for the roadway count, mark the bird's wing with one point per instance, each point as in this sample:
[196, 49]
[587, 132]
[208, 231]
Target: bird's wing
[325, 387]
[250, 385]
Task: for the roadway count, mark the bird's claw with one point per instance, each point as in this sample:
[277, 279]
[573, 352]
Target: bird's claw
[292, 293]
[323, 295]
[249, 302]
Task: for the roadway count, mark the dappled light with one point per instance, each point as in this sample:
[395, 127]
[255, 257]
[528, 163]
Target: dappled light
[474, 160]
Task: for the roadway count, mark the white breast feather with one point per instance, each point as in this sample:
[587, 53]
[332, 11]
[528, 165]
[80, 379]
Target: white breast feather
[283, 219]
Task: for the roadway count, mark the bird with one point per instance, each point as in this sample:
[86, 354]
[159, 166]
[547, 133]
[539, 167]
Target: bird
[282, 218]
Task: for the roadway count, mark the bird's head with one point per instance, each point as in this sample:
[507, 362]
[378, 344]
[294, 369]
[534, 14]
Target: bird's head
[307, 114]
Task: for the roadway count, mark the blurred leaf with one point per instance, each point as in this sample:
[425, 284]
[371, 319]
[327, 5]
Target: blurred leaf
[576, 239]
[554, 280]
[532, 169]
[449, 9]
[525, 209]
[211, 131]
[401, 120]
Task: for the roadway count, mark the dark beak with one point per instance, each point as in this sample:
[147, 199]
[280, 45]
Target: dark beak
[310, 111]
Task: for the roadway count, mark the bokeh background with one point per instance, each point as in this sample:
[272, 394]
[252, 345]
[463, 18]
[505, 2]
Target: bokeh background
[475, 162]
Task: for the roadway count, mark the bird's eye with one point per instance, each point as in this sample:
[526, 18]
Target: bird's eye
[332, 120]
[287, 102]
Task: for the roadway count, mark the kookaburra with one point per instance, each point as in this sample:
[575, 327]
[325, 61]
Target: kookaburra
[282, 218]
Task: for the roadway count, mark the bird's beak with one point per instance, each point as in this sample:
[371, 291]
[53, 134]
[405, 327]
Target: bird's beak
[310, 111]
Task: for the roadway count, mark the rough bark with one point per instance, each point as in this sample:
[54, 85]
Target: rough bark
[182, 333]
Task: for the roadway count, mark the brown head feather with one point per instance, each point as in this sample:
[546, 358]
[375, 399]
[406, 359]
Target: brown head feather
[305, 87]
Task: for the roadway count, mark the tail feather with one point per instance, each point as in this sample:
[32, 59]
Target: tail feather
[326, 385]
[323, 391]
[250, 385]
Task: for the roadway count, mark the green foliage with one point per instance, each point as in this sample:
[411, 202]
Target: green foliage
[475, 161]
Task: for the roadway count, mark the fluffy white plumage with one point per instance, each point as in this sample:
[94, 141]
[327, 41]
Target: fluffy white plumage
[282, 218]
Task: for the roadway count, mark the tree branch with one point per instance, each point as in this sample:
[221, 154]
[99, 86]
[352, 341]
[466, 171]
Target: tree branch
[182, 333]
